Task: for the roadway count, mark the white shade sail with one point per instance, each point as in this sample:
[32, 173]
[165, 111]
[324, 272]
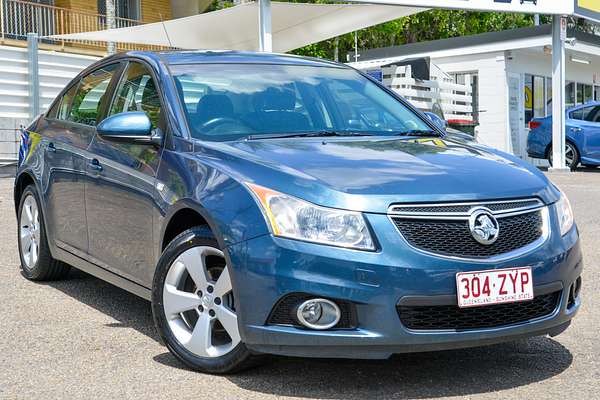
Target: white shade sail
[293, 25]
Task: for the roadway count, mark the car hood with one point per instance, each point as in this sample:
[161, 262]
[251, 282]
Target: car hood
[369, 174]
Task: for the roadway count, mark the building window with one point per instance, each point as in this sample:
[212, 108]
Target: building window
[548, 96]
[539, 106]
[127, 9]
[472, 79]
[584, 93]
[528, 98]
[570, 94]
[535, 101]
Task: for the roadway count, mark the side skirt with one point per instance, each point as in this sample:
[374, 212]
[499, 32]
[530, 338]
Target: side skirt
[101, 273]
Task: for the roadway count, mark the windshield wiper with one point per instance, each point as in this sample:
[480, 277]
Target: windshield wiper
[324, 133]
[418, 132]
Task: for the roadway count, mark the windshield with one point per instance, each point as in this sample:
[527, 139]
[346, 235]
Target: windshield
[233, 101]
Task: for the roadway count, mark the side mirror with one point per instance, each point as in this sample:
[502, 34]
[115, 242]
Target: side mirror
[440, 123]
[128, 127]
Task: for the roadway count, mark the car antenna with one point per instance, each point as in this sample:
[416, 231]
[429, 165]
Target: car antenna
[165, 29]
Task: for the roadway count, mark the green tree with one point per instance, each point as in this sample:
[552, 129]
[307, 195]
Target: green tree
[424, 26]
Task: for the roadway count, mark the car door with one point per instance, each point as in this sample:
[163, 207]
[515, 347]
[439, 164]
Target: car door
[70, 129]
[120, 196]
[584, 129]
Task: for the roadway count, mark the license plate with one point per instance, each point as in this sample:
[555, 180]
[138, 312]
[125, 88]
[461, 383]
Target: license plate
[498, 286]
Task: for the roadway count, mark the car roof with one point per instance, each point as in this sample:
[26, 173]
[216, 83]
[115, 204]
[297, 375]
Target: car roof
[175, 57]
[588, 104]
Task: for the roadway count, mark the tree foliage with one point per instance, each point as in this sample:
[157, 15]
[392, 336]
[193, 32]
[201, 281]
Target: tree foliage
[424, 26]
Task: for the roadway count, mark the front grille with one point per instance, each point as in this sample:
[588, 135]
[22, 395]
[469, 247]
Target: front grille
[492, 316]
[454, 238]
[283, 312]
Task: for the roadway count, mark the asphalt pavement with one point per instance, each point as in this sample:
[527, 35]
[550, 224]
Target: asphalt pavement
[82, 338]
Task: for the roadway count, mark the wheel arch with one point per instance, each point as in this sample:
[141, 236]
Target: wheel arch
[23, 180]
[183, 216]
[182, 220]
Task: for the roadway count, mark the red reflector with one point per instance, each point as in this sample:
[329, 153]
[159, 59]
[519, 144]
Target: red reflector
[534, 124]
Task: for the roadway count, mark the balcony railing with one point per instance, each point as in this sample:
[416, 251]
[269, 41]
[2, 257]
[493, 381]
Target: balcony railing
[17, 18]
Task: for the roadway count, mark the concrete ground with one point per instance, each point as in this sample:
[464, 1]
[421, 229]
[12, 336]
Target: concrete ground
[83, 338]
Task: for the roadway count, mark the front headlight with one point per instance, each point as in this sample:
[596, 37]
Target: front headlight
[293, 218]
[565, 214]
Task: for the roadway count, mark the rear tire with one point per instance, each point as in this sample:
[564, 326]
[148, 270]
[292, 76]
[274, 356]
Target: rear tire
[37, 263]
[571, 156]
[193, 305]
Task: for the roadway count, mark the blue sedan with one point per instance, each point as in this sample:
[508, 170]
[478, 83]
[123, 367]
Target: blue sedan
[273, 204]
[582, 136]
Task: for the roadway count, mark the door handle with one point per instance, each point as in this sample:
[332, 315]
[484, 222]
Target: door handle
[95, 165]
[576, 129]
[51, 147]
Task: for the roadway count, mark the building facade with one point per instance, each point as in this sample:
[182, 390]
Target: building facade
[54, 17]
[59, 60]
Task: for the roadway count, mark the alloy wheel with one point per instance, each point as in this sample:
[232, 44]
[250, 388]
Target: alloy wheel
[29, 231]
[198, 302]
[569, 155]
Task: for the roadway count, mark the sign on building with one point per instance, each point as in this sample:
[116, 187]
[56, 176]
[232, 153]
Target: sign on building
[589, 9]
[564, 7]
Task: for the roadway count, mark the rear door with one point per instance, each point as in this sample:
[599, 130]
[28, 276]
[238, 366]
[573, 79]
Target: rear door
[70, 129]
[120, 196]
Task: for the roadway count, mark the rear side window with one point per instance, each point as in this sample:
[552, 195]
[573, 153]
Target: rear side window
[65, 103]
[589, 114]
[593, 115]
[85, 106]
[53, 111]
[137, 92]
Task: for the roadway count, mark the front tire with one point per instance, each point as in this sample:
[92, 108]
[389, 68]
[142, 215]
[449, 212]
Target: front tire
[37, 263]
[194, 307]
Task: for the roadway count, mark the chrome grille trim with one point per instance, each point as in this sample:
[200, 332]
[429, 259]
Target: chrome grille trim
[521, 206]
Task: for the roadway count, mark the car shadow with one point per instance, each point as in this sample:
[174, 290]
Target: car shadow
[129, 310]
[593, 170]
[420, 375]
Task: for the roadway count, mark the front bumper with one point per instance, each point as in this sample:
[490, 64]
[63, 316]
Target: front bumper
[267, 268]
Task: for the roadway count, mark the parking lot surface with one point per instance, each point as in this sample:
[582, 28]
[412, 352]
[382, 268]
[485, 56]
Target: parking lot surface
[82, 338]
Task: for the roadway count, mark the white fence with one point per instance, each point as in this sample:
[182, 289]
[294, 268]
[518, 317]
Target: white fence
[455, 99]
[55, 70]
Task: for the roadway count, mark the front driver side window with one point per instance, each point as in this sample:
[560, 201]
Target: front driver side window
[85, 106]
[137, 92]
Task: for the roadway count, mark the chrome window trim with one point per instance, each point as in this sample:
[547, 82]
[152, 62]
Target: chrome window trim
[544, 210]
[474, 205]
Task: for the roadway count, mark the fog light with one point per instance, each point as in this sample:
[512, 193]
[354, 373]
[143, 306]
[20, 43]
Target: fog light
[318, 314]
[577, 288]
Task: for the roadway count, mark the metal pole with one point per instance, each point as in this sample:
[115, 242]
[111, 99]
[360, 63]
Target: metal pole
[355, 46]
[111, 47]
[2, 18]
[558, 93]
[336, 49]
[536, 19]
[265, 39]
[34, 74]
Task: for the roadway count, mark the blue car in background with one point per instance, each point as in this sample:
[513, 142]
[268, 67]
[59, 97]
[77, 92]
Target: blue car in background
[274, 204]
[582, 136]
